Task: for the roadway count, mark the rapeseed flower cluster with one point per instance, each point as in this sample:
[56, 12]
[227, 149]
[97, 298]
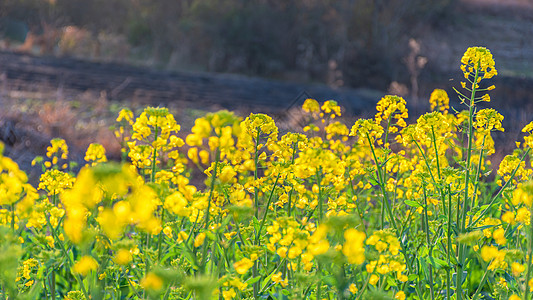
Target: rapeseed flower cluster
[440, 101]
[478, 59]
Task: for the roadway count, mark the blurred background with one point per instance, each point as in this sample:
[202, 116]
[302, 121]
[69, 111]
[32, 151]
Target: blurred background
[67, 66]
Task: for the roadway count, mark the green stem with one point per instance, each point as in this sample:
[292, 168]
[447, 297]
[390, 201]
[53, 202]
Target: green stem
[154, 158]
[426, 161]
[477, 177]
[362, 291]
[493, 200]
[381, 182]
[319, 283]
[386, 138]
[256, 161]
[319, 184]
[53, 284]
[393, 221]
[461, 225]
[237, 227]
[70, 259]
[13, 219]
[266, 210]
[159, 247]
[290, 193]
[256, 204]
[449, 249]
[429, 244]
[481, 284]
[209, 200]
[436, 151]
[357, 206]
[529, 253]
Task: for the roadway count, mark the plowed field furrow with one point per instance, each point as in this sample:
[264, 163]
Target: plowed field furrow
[125, 82]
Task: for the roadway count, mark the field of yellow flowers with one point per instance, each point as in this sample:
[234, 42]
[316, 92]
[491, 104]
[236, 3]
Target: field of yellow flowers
[381, 210]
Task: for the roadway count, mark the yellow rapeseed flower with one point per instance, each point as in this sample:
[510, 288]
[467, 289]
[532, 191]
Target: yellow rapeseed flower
[523, 215]
[400, 295]
[439, 99]
[152, 282]
[95, 154]
[229, 294]
[373, 279]
[529, 138]
[499, 236]
[58, 148]
[242, 266]
[480, 59]
[55, 182]
[277, 278]
[85, 265]
[123, 257]
[199, 240]
[353, 247]
[311, 105]
[517, 269]
[227, 174]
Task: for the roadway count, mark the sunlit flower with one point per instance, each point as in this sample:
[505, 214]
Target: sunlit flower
[85, 265]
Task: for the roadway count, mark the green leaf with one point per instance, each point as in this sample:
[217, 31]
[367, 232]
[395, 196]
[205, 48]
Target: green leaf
[255, 223]
[425, 267]
[483, 207]
[210, 235]
[266, 281]
[437, 263]
[412, 203]
[329, 280]
[253, 280]
[412, 277]
[190, 258]
[373, 181]
[391, 282]
[423, 252]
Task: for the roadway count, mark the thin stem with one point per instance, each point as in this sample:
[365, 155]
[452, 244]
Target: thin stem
[529, 253]
[13, 219]
[53, 284]
[319, 283]
[266, 210]
[256, 161]
[357, 206]
[430, 248]
[256, 205]
[393, 221]
[294, 145]
[154, 158]
[209, 200]
[383, 189]
[159, 247]
[436, 151]
[481, 284]
[493, 200]
[477, 177]
[319, 184]
[69, 259]
[449, 249]
[461, 225]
